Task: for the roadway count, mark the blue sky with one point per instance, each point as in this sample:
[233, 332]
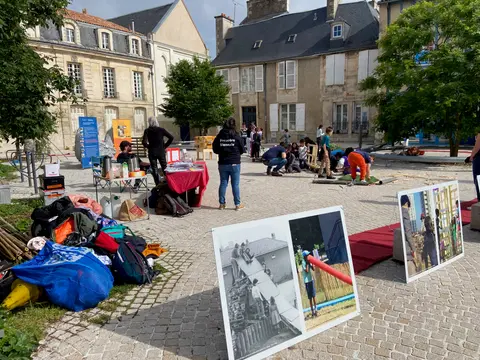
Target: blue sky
[418, 202]
[202, 11]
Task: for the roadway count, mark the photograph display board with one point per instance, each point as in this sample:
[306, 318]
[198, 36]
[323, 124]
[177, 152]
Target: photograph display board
[122, 130]
[431, 225]
[283, 280]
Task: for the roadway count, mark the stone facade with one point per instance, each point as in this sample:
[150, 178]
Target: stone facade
[257, 9]
[222, 24]
[390, 10]
[114, 69]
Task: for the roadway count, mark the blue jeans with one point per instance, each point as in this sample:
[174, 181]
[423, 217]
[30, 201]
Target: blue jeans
[476, 172]
[278, 163]
[229, 172]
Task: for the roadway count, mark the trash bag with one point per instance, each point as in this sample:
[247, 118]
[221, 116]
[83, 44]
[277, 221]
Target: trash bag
[73, 278]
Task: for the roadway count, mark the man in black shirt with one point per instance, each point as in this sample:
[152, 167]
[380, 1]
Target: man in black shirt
[275, 157]
[126, 154]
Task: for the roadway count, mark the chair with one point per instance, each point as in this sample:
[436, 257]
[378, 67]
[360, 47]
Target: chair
[205, 153]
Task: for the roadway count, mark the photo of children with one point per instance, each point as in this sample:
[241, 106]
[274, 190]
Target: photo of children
[258, 287]
[448, 221]
[418, 231]
[324, 268]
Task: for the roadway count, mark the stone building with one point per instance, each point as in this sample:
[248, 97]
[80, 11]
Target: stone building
[174, 37]
[299, 70]
[390, 10]
[113, 64]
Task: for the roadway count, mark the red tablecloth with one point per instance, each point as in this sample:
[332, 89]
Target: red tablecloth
[183, 181]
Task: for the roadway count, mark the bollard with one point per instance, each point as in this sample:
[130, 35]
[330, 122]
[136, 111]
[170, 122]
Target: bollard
[34, 173]
[29, 174]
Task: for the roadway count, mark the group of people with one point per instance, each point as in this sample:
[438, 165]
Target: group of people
[252, 140]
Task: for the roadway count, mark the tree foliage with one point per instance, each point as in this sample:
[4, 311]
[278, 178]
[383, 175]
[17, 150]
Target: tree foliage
[30, 85]
[198, 97]
[443, 96]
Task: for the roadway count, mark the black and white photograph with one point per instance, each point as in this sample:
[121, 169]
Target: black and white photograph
[260, 297]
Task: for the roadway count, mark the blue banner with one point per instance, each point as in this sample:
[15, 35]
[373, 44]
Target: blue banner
[88, 140]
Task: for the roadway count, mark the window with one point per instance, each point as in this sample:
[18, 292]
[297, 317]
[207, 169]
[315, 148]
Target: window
[257, 44]
[248, 79]
[337, 31]
[367, 63]
[108, 83]
[106, 41]
[224, 73]
[70, 34]
[138, 85]
[140, 120]
[135, 47]
[111, 113]
[288, 116]
[292, 38]
[75, 72]
[340, 120]
[235, 80]
[76, 112]
[335, 69]
[259, 78]
[360, 120]
[287, 75]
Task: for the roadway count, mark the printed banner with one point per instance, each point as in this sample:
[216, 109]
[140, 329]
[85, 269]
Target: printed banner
[122, 130]
[88, 140]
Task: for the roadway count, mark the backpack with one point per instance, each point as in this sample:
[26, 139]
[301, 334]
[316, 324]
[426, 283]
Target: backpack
[131, 267]
[176, 206]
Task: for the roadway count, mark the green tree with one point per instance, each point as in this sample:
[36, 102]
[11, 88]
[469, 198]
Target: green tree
[30, 85]
[198, 97]
[441, 96]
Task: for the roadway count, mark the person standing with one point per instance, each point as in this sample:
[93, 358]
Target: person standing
[274, 315]
[320, 134]
[256, 143]
[257, 297]
[325, 154]
[286, 137]
[407, 229]
[228, 145]
[243, 133]
[429, 247]
[474, 158]
[233, 261]
[307, 270]
[154, 140]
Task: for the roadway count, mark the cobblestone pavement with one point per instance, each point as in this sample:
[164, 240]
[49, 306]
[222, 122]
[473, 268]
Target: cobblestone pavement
[435, 317]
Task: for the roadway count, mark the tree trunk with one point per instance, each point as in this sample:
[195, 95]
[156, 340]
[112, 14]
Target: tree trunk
[454, 141]
[360, 138]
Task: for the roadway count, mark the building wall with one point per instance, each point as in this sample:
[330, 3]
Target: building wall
[390, 11]
[92, 65]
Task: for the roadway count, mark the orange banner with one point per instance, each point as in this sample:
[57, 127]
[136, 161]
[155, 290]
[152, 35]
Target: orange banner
[122, 130]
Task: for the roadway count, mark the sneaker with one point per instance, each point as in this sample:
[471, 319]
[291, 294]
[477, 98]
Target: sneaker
[269, 171]
[239, 207]
[222, 207]
[321, 176]
[330, 177]
[363, 182]
[276, 173]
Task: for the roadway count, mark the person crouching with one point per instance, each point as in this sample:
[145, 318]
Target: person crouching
[275, 157]
[362, 160]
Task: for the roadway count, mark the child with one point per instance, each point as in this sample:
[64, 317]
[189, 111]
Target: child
[325, 154]
[286, 137]
[256, 144]
[307, 274]
[295, 149]
[302, 154]
[274, 315]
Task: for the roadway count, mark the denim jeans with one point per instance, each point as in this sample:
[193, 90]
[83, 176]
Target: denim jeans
[476, 172]
[278, 163]
[229, 172]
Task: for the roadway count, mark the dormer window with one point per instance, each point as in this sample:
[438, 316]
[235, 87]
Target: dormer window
[135, 45]
[292, 38]
[106, 41]
[70, 34]
[337, 31]
[257, 44]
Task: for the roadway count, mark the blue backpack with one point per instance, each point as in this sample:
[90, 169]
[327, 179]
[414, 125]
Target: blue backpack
[130, 266]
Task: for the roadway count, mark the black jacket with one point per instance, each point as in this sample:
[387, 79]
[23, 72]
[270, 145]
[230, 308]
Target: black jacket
[229, 147]
[153, 140]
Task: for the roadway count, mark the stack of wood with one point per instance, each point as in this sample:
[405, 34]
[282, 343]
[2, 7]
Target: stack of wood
[414, 151]
[13, 244]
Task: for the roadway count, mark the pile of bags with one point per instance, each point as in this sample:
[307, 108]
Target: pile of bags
[81, 254]
[166, 202]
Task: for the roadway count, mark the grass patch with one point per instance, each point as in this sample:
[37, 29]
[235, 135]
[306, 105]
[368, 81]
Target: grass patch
[101, 319]
[121, 290]
[8, 172]
[160, 268]
[109, 306]
[18, 212]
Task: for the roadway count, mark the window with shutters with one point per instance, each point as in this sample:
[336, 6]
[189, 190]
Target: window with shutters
[248, 80]
[109, 83]
[281, 75]
[74, 71]
[235, 80]
[340, 119]
[367, 63]
[224, 74]
[335, 69]
[360, 119]
[287, 74]
[138, 85]
[259, 78]
[288, 117]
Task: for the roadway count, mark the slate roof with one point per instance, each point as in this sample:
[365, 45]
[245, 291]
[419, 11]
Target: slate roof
[145, 20]
[258, 248]
[93, 20]
[313, 36]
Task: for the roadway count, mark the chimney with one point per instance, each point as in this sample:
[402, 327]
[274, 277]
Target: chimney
[222, 24]
[257, 9]
[332, 6]
[84, 11]
[133, 26]
[273, 236]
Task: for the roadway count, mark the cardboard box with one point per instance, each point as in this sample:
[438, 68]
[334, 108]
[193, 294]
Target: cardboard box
[52, 170]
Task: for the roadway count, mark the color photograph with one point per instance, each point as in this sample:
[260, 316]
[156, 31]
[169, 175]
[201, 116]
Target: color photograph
[324, 269]
[448, 221]
[418, 231]
[258, 289]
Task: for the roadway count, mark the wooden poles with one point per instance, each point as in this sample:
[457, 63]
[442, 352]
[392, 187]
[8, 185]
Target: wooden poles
[13, 244]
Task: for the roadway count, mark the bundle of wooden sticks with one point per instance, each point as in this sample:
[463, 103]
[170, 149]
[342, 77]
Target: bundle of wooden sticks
[13, 243]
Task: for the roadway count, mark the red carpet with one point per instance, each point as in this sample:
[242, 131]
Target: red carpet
[373, 246]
